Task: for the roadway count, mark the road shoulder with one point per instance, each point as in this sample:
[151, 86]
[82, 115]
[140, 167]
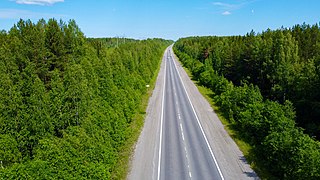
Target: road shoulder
[145, 158]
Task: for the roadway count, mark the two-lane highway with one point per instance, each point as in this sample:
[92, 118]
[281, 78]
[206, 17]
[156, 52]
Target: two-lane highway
[182, 137]
[184, 151]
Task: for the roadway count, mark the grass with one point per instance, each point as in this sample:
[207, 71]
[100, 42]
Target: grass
[125, 155]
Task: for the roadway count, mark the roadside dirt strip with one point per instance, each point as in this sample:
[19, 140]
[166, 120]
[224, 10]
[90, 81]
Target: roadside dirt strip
[230, 159]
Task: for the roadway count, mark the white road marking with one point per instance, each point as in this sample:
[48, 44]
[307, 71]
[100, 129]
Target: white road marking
[161, 119]
[211, 152]
[185, 149]
[182, 132]
[183, 139]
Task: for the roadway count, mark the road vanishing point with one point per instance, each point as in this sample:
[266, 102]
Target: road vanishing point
[182, 137]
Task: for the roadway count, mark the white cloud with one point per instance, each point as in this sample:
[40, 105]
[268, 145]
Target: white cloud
[38, 2]
[226, 13]
[227, 8]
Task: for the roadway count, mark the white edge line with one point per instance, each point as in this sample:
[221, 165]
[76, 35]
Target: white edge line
[211, 152]
[161, 119]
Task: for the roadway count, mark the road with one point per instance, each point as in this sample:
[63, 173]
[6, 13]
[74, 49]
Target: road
[184, 150]
[182, 137]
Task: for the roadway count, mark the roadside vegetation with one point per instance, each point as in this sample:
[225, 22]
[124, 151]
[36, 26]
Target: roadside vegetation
[70, 105]
[266, 86]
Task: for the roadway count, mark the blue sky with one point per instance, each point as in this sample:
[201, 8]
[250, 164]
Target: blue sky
[169, 19]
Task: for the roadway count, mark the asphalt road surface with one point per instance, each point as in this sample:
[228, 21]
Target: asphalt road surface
[182, 137]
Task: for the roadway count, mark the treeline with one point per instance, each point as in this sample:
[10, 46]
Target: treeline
[66, 105]
[109, 42]
[261, 83]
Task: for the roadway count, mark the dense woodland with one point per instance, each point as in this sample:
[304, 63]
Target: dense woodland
[67, 102]
[267, 86]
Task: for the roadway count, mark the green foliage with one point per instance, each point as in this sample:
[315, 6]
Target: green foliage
[283, 63]
[9, 152]
[244, 71]
[67, 102]
[292, 154]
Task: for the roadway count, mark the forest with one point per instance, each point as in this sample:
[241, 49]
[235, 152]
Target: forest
[67, 101]
[267, 86]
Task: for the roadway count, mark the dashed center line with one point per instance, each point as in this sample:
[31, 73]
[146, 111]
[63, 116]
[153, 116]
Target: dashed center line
[182, 133]
[185, 150]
